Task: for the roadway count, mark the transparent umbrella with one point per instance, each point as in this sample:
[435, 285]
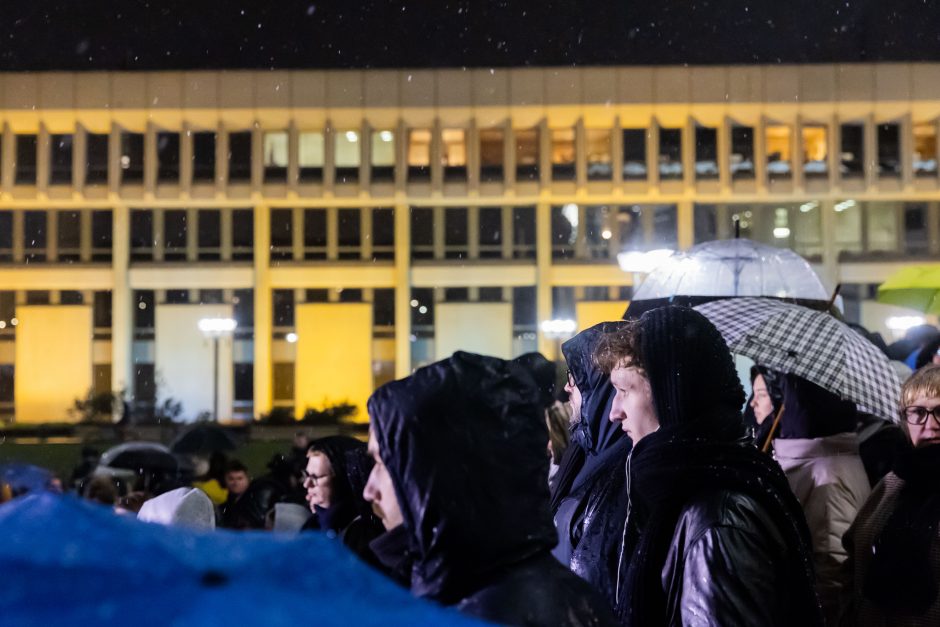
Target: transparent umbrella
[729, 269]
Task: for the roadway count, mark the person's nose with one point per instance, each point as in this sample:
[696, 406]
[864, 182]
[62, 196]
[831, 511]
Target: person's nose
[616, 411]
[369, 492]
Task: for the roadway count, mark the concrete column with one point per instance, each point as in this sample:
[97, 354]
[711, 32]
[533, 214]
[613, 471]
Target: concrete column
[150, 160]
[293, 155]
[402, 291]
[652, 155]
[297, 233]
[186, 158]
[580, 154]
[685, 220]
[580, 238]
[329, 157]
[225, 235]
[616, 152]
[687, 153]
[870, 141]
[8, 162]
[438, 224]
[724, 155]
[906, 146]
[264, 318]
[437, 151]
[122, 306]
[365, 233]
[257, 157]
[332, 233]
[796, 155]
[472, 138]
[509, 155]
[19, 235]
[509, 232]
[933, 227]
[52, 233]
[830, 256]
[473, 232]
[545, 154]
[85, 243]
[192, 234]
[543, 286]
[114, 159]
[401, 156]
[760, 155]
[834, 152]
[221, 157]
[79, 158]
[159, 240]
[43, 159]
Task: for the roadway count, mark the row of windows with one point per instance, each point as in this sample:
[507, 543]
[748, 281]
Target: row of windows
[577, 231]
[785, 149]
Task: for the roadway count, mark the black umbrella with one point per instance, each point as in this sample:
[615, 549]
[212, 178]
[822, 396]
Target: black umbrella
[203, 438]
[141, 457]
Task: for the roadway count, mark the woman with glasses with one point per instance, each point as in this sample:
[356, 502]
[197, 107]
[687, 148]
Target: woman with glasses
[893, 570]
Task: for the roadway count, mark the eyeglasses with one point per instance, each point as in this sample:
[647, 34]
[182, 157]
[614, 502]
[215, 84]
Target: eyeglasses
[917, 415]
[314, 479]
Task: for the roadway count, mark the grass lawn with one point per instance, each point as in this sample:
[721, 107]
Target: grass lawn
[62, 458]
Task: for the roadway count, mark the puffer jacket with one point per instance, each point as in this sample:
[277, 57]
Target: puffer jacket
[828, 478]
[464, 446]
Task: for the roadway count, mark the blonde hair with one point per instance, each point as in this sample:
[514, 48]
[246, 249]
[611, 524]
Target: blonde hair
[924, 382]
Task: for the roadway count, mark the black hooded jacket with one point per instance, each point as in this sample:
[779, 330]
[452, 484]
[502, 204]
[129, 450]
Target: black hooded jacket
[465, 449]
[349, 515]
[590, 487]
[714, 535]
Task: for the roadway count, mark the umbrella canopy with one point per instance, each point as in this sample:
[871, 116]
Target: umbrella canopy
[140, 456]
[915, 287]
[203, 438]
[810, 344]
[107, 569]
[731, 268]
[24, 478]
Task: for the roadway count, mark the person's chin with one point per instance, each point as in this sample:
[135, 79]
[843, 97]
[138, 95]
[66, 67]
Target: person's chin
[928, 442]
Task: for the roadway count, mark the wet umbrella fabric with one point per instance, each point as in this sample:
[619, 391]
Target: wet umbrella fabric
[735, 268]
[810, 344]
[24, 478]
[203, 438]
[140, 456]
[916, 287]
[105, 569]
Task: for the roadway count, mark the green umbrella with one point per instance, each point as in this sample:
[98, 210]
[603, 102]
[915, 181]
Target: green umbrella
[914, 287]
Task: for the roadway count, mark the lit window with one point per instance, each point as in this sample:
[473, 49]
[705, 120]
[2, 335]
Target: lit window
[925, 148]
[563, 153]
[778, 151]
[527, 153]
[491, 153]
[598, 154]
[311, 156]
[419, 153]
[383, 154]
[815, 150]
[275, 155]
[347, 149]
[454, 153]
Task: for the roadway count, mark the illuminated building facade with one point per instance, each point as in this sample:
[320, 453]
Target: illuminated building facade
[428, 202]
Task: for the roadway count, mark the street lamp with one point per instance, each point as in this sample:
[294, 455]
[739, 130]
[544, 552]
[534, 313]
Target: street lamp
[558, 330]
[214, 329]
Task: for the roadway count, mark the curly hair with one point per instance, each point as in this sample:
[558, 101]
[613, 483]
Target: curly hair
[619, 348]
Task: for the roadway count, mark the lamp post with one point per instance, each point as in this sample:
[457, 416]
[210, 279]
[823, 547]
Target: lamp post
[215, 329]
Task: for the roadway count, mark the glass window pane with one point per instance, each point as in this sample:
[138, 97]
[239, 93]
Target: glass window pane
[634, 153]
[61, 159]
[563, 153]
[815, 150]
[491, 232]
[132, 157]
[422, 233]
[670, 153]
[168, 157]
[383, 148]
[419, 153]
[778, 150]
[347, 149]
[454, 152]
[311, 150]
[523, 232]
[925, 148]
[599, 158]
[455, 233]
[96, 158]
[204, 156]
[527, 153]
[276, 145]
[706, 152]
[491, 153]
[239, 156]
[889, 149]
[26, 147]
[852, 149]
[742, 152]
[565, 222]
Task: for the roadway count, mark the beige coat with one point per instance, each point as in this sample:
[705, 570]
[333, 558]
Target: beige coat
[827, 476]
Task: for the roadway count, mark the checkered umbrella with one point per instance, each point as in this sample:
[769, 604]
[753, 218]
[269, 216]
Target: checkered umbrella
[810, 344]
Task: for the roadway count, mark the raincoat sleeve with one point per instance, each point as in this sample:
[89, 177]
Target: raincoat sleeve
[725, 579]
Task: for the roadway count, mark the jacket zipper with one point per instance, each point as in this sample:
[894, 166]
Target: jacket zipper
[623, 538]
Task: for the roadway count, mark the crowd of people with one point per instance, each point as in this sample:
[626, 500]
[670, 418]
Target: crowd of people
[638, 493]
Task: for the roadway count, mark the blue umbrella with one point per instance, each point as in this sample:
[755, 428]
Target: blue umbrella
[101, 568]
[23, 478]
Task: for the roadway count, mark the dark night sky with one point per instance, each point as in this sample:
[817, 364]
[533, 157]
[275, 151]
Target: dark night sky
[212, 34]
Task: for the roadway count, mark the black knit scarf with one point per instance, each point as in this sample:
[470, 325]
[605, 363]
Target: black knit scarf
[900, 577]
[670, 466]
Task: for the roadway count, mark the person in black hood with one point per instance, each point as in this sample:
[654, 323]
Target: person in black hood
[462, 446]
[713, 536]
[336, 473]
[589, 488]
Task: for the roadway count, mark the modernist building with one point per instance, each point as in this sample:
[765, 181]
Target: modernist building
[441, 208]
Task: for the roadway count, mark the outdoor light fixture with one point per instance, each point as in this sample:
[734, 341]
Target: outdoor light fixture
[352, 136]
[606, 234]
[414, 302]
[386, 136]
[422, 309]
[14, 321]
[806, 207]
[560, 328]
[643, 262]
[220, 326]
[903, 323]
[3, 324]
[214, 329]
[291, 337]
[782, 232]
[845, 204]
